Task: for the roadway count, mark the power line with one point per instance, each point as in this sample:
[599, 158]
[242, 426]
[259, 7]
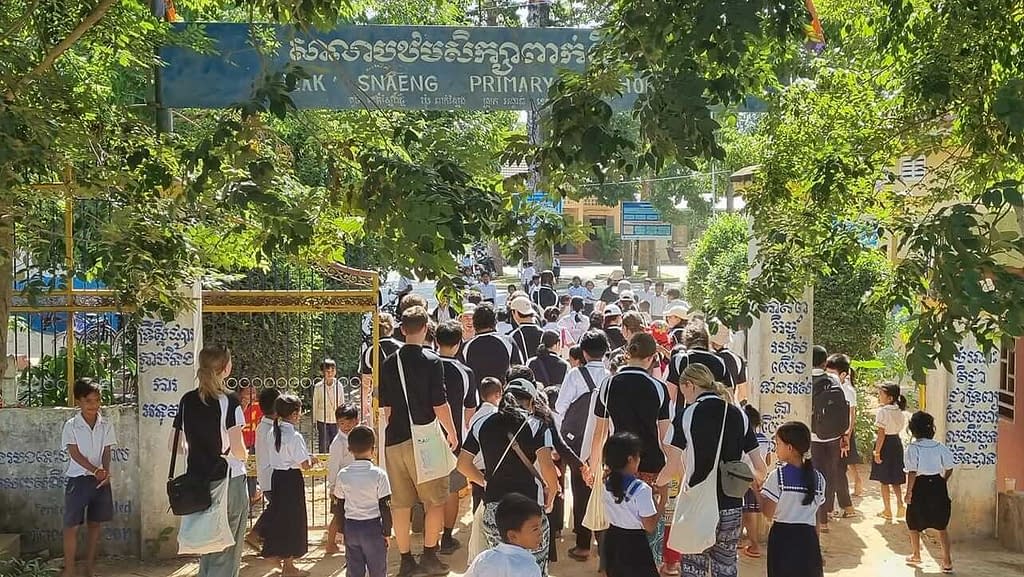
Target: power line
[655, 179]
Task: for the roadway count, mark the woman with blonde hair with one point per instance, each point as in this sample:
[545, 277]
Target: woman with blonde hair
[211, 419]
[712, 430]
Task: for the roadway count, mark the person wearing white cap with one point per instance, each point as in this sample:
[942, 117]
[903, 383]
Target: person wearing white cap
[627, 300]
[526, 337]
[734, 363]
[676, 317]
[613, 327]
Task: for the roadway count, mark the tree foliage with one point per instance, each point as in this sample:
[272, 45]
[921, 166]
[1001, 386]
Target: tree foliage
[896, 77]
[718, 266]
[846, 320]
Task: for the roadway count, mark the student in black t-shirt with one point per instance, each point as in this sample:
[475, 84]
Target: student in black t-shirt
[408, 301]
[612, 324]
[460, 387]
[423, 374]
[206, 416]
[698, 430]
[549, 367]
[526, 338]
[696, 350]
[544, 295]
[521, 420]
[488, 354]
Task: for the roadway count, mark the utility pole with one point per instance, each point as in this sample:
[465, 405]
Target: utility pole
[538, 14]
[164, 123]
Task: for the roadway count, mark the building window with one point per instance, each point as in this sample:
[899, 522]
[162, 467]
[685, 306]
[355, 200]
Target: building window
[912, 168]
[1007, 377]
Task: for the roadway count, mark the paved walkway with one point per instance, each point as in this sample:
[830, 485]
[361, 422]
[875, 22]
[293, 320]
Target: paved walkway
[865, 546]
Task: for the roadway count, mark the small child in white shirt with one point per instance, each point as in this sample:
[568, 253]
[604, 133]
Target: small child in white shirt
[490, 390]
[519, 521]
[347, 416]
[363, 510]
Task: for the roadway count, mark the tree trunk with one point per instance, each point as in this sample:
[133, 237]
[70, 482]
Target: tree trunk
[652, 259]
[627, 257]
[6, 282]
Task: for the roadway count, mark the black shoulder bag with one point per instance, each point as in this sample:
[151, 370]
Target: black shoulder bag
[186, 493]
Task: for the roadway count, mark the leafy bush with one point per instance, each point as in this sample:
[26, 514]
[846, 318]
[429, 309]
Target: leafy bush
[607, 244]
[22, 568]
[844, 321]
[718, 264]
[45, 384]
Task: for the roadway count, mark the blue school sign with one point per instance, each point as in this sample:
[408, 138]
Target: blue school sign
[641, 221]
[390, 67]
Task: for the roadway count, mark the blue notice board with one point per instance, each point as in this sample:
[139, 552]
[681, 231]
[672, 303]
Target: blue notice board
[641, 221]
[546, 203]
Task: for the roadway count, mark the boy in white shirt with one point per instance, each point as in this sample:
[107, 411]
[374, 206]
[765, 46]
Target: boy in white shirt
[340, 457]
[519, 521]
[490, 390]
[363, 510]
[88, 438]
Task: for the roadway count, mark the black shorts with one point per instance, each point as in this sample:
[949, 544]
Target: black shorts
[84, 501]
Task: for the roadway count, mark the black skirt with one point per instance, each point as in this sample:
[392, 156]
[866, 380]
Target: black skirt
[628, 554]
[929, 504]
[285, 530]
[890, 470]
[794, 551]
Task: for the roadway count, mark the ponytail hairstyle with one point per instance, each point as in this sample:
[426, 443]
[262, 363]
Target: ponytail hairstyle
[577, 306]
[892, 390]
[641, 346]
[700, 376]
[510, 410]
[617, 451]
[213, 364]
[551, 314]
[798, 436]
[548, 341]
[285, 406]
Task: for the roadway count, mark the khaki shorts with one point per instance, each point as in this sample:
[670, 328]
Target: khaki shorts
[405, 491]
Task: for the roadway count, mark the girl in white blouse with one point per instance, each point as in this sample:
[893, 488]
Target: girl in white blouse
[887, 466]
[929, 465]
[286, 530]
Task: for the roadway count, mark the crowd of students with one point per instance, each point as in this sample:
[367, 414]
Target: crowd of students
[638, 411]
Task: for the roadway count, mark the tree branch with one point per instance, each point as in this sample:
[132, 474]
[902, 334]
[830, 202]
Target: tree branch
[19, 23]
[90, 20]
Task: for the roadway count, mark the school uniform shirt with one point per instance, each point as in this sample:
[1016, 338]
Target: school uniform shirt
[785, 485]
[576, 324]
[527, 275]
[644, 296]
[890, 418]
[338, 458]
[362, 485]
[505, 560]
[488, 355]
[575, 386]
[424, 379]
[91, 442]
[544, 296]
[293, 451]
[554, 367]
[326, 399]
[658, 305]
[206, 427]
[490, 437]
[525, 341]
[735, 365]
[579, 291]
[486, 409]
[635, 402]
[850, 392]
[488, 292]
[928, 457]
[627, 514]
[460, 389]
[388, 346]
[697, 432]
[442, 314]
[682, 359]
[264, 443]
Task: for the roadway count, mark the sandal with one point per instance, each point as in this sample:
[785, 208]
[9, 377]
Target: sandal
[885, 515]
[948, 569]
[752, 554]
[575, 555]
[913, 561]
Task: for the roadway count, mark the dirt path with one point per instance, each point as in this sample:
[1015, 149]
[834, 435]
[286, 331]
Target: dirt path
[866, 546]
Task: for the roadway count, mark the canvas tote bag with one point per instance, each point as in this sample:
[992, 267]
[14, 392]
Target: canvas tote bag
[434, 459]
[695, 526]
[595, 518]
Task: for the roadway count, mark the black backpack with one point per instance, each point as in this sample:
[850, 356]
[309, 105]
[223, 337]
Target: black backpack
[574, 423]
[830, 411]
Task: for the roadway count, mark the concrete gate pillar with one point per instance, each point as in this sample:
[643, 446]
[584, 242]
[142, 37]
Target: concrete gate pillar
[965, 406]
[779, 357]
[168, 353]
